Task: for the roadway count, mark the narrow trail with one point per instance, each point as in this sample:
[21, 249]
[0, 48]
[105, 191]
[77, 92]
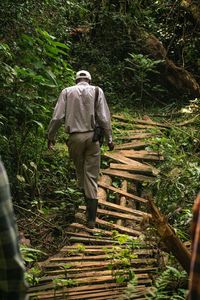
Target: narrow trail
[94, 264]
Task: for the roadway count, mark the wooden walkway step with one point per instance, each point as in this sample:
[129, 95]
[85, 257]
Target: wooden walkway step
[92, 265]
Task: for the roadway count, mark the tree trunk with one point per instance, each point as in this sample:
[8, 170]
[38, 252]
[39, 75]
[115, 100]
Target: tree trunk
[178, 77]
[193, 7]
[169, 237]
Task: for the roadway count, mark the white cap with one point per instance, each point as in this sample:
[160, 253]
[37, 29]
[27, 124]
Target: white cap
[83, 74]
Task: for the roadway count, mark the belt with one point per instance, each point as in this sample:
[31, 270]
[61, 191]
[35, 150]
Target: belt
[81, 132]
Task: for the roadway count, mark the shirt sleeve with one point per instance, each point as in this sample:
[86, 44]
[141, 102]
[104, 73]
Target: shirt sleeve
[11, 264]
[58, 116]
[103, 116]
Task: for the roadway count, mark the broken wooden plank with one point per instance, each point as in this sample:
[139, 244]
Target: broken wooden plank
[114, 214]
[121, 229]
[133, 145]
[121, 192]
[123, 209]
[138, 136]
[93, 231]
[101, 193]
[151, 123]
[139, 169]
[122, 202]
[127, 175]
[119, 157]
[143, 154]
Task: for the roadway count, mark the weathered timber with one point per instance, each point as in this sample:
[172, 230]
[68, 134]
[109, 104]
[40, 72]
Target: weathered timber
[133, 145]
[122, 202]
[115, 215]
[143, 154]
[121, 229]
[123, 209]
[85, 228]
[138, 136]
[152, 123]
[121, 158]
[169, 237]
[92, 280]
[97, 251]
[138, 169]
[121, 118]
[101, 193]
[117, 262]
[119, 191]
[62, 273]
[127, 175]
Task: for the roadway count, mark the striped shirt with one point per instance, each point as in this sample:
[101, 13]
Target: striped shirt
[194, 280]
[12, 283]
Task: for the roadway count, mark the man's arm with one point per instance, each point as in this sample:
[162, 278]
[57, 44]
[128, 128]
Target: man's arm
[57, 119]
[103, 118]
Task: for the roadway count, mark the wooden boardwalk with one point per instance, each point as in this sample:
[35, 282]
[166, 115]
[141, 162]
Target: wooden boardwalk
[99, 263]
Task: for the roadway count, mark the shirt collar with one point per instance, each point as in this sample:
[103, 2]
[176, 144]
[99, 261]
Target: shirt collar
[82, 83]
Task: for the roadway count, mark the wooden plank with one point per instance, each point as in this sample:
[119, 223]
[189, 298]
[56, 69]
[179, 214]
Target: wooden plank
[90, 274]
[123, 209]
[143, 154]
[139, 136]
[91, 280]
[139, 169]
[73, 291]
[115, 214]
[133, 145]
[119, 228]
[121, 192]
[127, 175]
[104, 250]
[152, 123]
[101, 193]
[95, 230]
[61, 272]
[82, 264]
[122, 202]
[120, 158]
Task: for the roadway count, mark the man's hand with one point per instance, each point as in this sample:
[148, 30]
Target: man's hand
[51, 144]
[111, 146]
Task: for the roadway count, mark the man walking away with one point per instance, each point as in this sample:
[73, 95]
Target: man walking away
[83, 107]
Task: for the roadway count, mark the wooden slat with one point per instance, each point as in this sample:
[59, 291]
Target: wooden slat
[148, 122]
[93, 231]
[83, 264]
[122, 202]
[115, 214]
[140, 169]
[119, 228]
[128, 175]
[123, 209]
[90, 280]
[121, 192]
[143, 154]
[138, 136]
[133, 145]
[121, 158]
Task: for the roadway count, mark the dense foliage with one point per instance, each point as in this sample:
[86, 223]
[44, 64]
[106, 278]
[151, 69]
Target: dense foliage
[43, 43]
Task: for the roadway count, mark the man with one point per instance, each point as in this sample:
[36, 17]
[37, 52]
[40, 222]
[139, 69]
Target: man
[82, 107]
[194, 280]
[12, 284]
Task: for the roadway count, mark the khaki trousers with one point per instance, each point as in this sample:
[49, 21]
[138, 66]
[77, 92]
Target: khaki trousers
[86, 157]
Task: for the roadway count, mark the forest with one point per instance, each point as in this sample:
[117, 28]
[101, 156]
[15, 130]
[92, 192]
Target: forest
[145, 56]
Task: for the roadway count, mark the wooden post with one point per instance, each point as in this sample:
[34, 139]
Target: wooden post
[169, 237]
